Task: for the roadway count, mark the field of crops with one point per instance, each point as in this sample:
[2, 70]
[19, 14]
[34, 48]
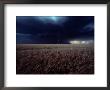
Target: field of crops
[54, 59]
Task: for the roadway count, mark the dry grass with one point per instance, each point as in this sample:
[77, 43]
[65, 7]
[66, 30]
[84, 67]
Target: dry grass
[54, 59]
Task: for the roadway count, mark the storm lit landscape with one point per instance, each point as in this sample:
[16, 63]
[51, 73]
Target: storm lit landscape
[55, 45]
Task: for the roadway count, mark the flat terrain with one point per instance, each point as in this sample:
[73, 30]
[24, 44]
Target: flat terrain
[54, 59]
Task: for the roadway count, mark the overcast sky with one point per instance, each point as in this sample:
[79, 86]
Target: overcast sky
[53, 29]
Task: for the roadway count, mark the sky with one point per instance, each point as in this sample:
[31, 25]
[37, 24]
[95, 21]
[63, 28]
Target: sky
[53, 29]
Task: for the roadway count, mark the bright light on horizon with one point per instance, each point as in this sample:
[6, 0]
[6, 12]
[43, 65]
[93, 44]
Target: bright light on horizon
[75, 42]
[81, 42]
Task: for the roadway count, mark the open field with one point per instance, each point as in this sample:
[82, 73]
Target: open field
[54, 59]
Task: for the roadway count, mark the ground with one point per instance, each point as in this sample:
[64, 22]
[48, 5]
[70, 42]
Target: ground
[54, 59]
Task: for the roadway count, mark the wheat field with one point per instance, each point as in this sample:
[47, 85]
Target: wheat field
[54, 59]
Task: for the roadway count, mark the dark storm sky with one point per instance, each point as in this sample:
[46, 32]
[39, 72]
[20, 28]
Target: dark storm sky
[53, 29]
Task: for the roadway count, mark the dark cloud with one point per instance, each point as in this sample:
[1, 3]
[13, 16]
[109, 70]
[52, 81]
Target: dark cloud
[40, 29]
[89, 27]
